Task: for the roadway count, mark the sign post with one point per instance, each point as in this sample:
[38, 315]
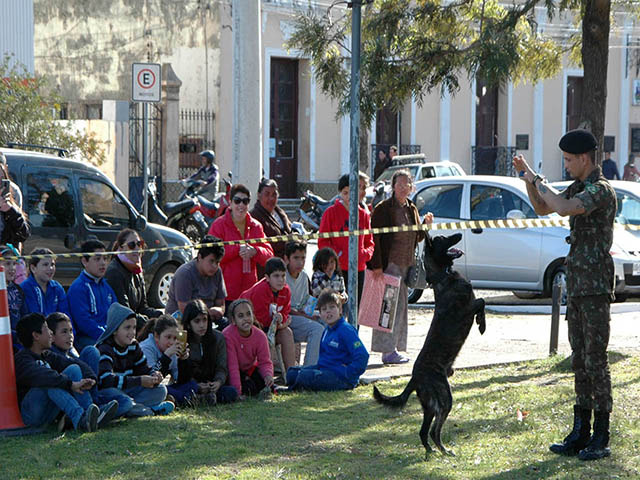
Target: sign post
[145, 88]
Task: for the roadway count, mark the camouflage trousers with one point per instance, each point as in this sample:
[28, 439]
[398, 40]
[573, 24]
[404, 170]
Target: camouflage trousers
[588, 320]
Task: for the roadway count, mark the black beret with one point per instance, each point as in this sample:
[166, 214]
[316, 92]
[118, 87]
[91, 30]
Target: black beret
[577, 142]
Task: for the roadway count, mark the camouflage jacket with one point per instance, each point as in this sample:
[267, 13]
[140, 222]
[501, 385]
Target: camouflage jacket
[589, 264]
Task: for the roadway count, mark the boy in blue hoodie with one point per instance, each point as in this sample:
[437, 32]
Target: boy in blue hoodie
[42, 294]
[343, 357]
[48, 383]
[123, 368]
[90, 296]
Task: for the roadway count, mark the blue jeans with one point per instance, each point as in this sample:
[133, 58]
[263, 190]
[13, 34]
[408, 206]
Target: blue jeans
[149, 397]
[91, 356]
[317, 378]
[40, 405]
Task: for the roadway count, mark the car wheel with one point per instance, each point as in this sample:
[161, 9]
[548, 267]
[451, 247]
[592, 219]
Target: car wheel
[159, 291]
[621, 297]
[192, 230]
[414, 294]
[560, 277]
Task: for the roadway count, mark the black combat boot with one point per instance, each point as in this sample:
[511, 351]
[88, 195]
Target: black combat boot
[579, 436]
[598, 446]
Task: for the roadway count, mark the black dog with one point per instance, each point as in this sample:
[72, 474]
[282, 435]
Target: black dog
[455, 309]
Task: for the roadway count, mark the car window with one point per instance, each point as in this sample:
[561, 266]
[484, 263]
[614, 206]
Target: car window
[388, 173]
[443, 171]
[442, 200]
[628, 209]
[427, 172]
[102, 206]
[49, 200]
[493, 203]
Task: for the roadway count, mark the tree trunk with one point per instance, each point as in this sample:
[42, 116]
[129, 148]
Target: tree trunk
[365, 148]
[595, 57]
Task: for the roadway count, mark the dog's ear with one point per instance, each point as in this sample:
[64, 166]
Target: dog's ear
[453, 239]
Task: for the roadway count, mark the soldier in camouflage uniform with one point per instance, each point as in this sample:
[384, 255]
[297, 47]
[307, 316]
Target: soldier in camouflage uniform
[591, 204]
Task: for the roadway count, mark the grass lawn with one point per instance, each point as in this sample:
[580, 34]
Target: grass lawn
[348, 436]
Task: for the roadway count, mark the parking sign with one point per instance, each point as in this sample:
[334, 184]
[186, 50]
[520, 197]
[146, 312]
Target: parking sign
[146, 82]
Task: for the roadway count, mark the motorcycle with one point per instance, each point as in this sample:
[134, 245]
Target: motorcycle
[311, 209]
[210, 209]
[183, 215]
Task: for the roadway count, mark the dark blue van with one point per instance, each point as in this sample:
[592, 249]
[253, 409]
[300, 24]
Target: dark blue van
[88, 204]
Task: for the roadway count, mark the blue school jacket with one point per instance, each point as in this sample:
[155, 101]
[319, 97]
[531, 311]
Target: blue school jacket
[89, 300]
[342, 352]
[36, 301]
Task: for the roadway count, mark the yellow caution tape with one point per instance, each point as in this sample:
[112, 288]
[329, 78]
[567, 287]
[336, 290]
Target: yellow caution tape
[462, 225]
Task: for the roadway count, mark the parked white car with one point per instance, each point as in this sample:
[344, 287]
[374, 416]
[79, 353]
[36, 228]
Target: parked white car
[419, 170]
[519, 259]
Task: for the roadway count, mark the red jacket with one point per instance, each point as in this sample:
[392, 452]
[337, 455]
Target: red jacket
[336, 219]
[231, 264]
[262, 297]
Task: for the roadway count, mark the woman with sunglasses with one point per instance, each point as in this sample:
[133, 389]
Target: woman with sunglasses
[124, 275]
[239, 262]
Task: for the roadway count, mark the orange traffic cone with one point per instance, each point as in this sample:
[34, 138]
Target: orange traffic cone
[10, 417]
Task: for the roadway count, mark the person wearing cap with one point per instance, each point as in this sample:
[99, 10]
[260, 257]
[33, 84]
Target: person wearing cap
[273, 219]
[590, 203]
[208, 172]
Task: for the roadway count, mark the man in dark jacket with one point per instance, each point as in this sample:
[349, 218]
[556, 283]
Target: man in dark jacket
[48, 383]
[274, 220]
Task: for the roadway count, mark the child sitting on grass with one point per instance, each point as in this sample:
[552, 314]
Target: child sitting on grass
[48, 383]
[124, 369]
[271, 300]
[15, 295]
[164, 354]
[42, 294]
[327, 274]
[250, 367]
[206, 364]
[343, 357]
[62, 344]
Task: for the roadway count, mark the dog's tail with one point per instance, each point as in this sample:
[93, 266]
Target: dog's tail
[398, 401]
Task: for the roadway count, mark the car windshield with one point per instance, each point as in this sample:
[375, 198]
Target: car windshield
[628, 209]
[388, 173]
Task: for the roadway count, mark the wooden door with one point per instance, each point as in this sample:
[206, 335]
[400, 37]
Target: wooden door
[283, 128]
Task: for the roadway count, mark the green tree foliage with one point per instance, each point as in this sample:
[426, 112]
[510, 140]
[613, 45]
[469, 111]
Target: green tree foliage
[28, 112]
[410, 49]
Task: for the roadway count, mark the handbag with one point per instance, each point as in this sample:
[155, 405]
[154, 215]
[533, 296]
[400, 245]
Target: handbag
[416, 272]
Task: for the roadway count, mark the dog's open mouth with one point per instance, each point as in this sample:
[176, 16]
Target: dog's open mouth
[454, 253]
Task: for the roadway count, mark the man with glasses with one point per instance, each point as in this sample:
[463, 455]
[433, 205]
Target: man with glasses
[273, 219]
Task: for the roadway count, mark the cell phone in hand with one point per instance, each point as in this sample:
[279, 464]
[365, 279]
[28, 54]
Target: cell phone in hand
[6, 185]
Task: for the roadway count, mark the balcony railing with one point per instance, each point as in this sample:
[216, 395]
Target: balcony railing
[492, 161]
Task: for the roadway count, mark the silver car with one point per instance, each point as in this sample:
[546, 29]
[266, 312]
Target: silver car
[525, 259]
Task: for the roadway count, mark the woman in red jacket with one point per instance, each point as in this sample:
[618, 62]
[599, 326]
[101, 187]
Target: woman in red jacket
[239, 262]
[336, 219]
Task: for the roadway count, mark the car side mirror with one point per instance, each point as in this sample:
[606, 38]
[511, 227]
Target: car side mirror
[140, 223]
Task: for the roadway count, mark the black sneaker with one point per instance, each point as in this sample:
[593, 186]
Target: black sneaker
[89, 420]
[107, 413]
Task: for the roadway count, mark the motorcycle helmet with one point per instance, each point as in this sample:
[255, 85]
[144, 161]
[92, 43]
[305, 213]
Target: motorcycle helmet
[210, 155]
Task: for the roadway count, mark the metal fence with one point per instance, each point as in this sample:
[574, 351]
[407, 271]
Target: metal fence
[492, 161]
[197, 128]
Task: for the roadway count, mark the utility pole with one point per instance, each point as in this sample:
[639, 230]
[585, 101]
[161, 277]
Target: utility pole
[352, 281]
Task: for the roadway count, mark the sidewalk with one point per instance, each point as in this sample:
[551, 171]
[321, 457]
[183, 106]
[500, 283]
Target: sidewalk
[508, 338]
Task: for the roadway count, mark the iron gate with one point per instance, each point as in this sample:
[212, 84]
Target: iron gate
[135, 150]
